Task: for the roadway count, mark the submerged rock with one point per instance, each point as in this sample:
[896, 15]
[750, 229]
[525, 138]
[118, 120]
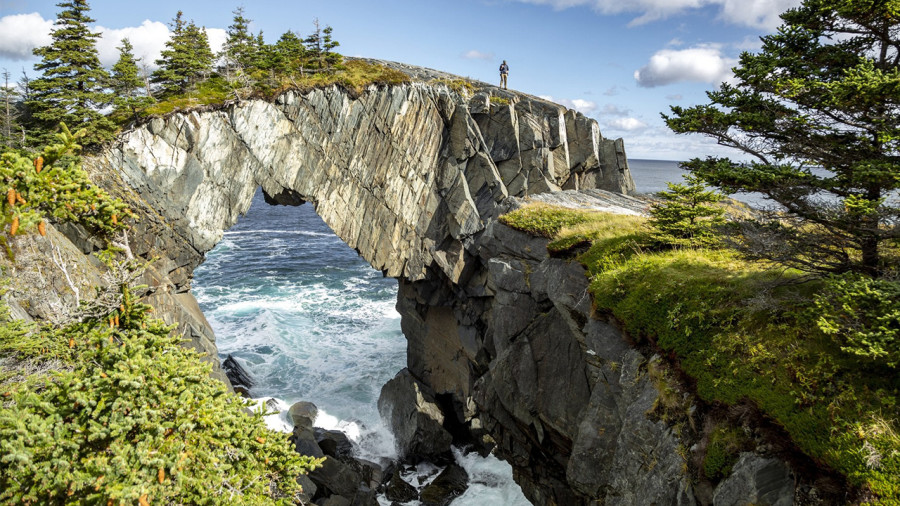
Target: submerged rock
[397, 489]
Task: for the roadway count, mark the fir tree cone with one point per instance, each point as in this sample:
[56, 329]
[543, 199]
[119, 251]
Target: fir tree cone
[14, 227]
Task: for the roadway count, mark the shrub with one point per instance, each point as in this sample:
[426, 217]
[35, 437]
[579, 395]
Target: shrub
[687, 215]
[863, 316]
[133, 417]
[53, 185]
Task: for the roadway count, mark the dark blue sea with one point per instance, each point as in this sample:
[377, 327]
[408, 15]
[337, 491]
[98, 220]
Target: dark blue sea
[312, 321]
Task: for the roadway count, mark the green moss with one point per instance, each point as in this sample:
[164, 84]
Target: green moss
[499, 100]
[745, 333]
[353, 76]
[725, 444]
[460, 86]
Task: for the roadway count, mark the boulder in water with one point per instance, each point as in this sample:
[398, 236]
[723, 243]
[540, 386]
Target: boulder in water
[410, 411]
[334, 443]
[450, 484]
[399, 490]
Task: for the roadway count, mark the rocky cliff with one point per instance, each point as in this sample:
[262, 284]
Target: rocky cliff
[413, 177]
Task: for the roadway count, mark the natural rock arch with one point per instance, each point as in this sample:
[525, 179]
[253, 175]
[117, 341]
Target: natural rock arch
[412, 177]
[405, 175]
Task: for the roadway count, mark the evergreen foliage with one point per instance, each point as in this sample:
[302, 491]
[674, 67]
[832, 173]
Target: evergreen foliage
[127, 83]
[133, 416]
[863, 317]
[319, 46]
[186, 59]
[54, 186]
[239, 51]
[116, 409]
[71, 88]
[687, 215]
[819, 110]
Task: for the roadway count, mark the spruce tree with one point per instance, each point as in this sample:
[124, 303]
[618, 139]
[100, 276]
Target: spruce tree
[818, 110]
[186, 59]
[289, 53]
[239, 51]
[127, 82]
[687, 214]
[328, 43]
[71, 88]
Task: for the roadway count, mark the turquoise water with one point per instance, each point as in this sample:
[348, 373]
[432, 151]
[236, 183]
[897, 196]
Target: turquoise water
[310, 320]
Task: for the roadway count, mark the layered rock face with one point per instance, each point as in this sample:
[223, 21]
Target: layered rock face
[405, 175]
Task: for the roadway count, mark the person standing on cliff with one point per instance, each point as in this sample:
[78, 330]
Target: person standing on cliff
[504, 71]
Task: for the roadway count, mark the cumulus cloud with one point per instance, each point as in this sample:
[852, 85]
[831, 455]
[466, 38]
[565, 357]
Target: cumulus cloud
[475, 54]
[704, 64]
[614, 110]
[755, 13]
[21, 33]
[580, 105]
[148, 40]
[627, 124]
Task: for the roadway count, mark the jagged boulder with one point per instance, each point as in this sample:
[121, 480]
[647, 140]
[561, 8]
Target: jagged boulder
[450, 484]
[409, 409]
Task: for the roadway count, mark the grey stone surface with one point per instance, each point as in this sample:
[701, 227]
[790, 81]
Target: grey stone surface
[756, 480]
[410, 411]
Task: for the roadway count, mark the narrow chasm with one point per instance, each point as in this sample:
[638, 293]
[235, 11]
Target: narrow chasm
[314, 329]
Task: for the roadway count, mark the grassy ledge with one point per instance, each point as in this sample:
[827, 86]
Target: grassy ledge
[354, 76]
[743, 332]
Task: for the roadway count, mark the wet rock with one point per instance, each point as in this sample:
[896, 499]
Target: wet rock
[450, 484]
[334, 443]
[399, 490]
[409, 409]
[335, 500]
[309, 488]
[335, 478]
[240, 379]
[756, 480]
[303, 414]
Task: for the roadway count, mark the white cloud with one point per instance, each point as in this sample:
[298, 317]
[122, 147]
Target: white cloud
[613, 91]
[475, 54]
[627, 124]
[614, 110]
[148, 40]
[21, 33]
[582, 106]
[755, 13]
[705, 64]
[675, 96]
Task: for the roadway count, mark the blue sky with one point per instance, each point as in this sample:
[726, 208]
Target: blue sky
[619, 61]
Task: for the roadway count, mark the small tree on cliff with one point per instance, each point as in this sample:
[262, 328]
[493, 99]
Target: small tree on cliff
[127, 83]
[687, 214]
[818, 109]
[186, 59]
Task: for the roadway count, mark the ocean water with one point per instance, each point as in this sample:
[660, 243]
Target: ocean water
[311, 320]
